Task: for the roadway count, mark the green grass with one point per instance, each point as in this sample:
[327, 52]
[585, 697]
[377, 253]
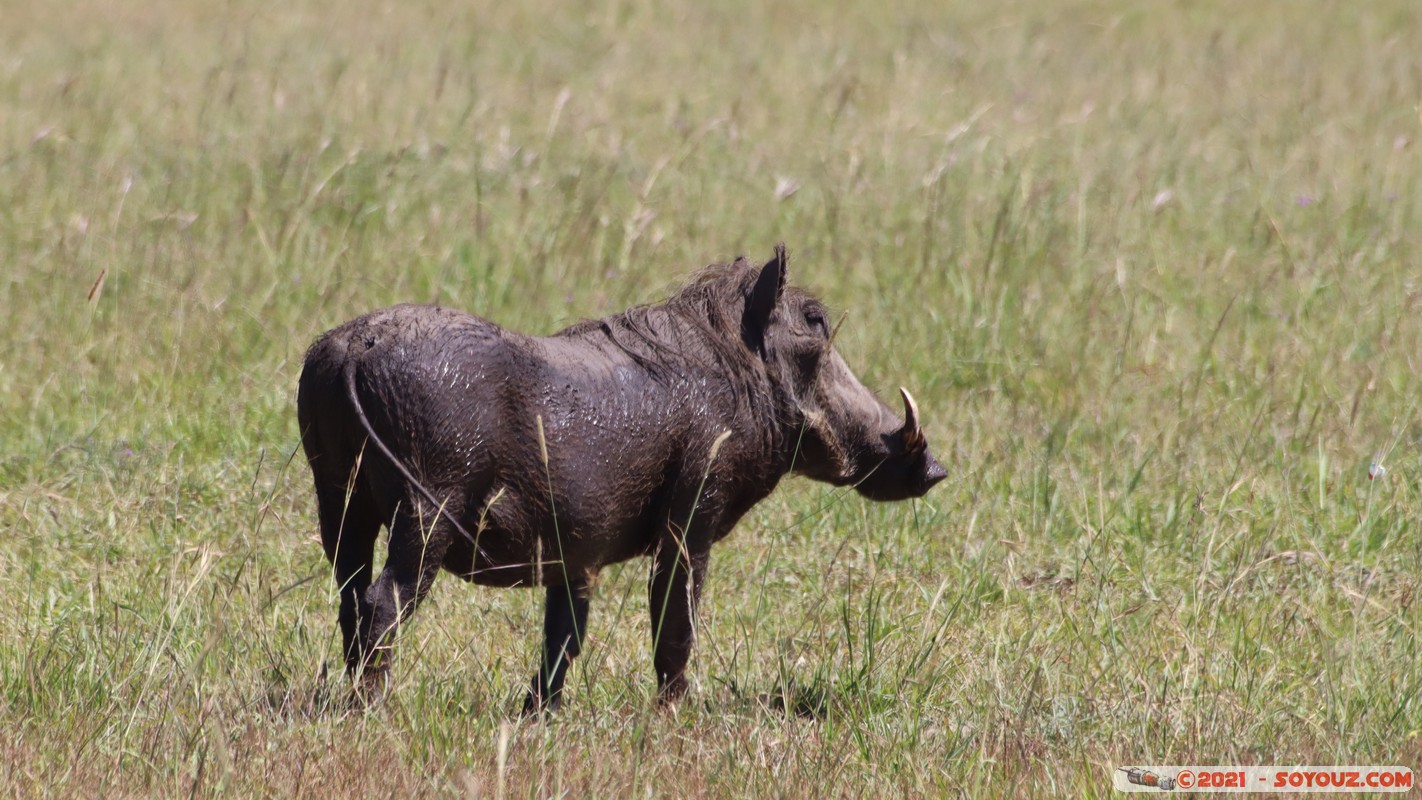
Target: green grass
[1150, 268]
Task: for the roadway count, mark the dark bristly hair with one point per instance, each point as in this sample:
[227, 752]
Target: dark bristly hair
[696, 329]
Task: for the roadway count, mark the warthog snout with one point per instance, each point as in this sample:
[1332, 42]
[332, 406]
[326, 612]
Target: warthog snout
[909, 470]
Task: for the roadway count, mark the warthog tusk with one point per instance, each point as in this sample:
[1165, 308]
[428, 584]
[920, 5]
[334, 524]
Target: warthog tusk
[912, 433]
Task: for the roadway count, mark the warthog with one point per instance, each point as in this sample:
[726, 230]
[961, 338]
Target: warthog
[514, 460]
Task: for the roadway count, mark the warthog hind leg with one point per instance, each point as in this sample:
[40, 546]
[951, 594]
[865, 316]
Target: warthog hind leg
[417, 548]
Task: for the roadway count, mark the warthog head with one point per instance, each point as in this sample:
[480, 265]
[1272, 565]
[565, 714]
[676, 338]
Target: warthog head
[844, 435]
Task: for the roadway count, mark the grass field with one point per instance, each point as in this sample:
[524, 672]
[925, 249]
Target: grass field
[1151, 269]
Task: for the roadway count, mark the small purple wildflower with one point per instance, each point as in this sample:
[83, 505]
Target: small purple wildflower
[1305, 200]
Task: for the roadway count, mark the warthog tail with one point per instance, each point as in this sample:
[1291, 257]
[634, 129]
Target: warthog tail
[394, 460]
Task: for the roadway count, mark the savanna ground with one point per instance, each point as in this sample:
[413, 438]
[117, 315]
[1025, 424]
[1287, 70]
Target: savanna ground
[1151, 269]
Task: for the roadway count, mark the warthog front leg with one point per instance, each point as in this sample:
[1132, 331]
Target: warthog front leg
[674, 591]
[565, 619]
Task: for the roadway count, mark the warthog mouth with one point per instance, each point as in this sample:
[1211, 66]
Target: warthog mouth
[908, 469]
[901, 476]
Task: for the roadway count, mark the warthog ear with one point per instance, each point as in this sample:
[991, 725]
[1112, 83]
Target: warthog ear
[769, 287]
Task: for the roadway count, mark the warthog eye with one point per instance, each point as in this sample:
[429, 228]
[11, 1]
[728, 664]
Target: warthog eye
[815, 318]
